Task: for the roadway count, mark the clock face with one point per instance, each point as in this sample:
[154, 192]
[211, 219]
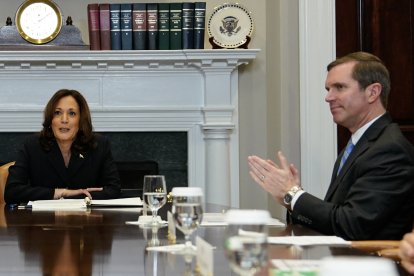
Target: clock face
[38, 21]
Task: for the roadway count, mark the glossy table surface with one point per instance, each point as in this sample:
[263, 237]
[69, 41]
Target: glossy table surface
[99, 242]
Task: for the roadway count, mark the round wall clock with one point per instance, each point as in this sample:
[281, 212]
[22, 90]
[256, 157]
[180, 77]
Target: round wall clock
[230, 25]
[39, 21]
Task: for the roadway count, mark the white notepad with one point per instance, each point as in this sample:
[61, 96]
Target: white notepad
[308, 240]
[57, 204]
[80, 204]
[217, 219]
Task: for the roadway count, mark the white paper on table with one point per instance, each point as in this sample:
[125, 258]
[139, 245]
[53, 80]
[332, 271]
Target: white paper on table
[308, 240]
[289, 265]
[217, 219]
[117, 202]
[57, 204]
[79, 204]
[146, 221]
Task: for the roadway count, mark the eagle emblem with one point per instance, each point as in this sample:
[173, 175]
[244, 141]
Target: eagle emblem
[229, 25]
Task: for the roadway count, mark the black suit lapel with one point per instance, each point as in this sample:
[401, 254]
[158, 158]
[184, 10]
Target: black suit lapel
[370, 136]
[76, 161]
[333, 184]
[57, 163]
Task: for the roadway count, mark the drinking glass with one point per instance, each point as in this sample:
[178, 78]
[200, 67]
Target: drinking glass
[187, 211]
[245, 242]
[155, 195]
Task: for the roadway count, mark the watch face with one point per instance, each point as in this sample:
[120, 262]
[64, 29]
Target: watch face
[38, 21]
[287, 199]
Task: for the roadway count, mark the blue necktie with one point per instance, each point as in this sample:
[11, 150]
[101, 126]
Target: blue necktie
[347, 152]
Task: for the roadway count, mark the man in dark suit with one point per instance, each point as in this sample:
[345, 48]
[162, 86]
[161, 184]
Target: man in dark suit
[372, 188]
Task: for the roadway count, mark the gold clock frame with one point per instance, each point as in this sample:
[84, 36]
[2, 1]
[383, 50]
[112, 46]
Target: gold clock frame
[25, 36]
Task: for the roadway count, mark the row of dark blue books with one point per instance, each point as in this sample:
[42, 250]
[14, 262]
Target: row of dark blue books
[147, 26]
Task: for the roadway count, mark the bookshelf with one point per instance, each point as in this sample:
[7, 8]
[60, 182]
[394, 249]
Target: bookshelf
[139, 91]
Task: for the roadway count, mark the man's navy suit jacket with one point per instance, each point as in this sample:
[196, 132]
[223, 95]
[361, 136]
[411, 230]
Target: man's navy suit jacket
[373, 195]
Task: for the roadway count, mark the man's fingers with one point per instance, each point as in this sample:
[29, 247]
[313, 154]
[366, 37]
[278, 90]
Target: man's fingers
[271, 162]
[295, 173]
[257, 165]
[283, 161]
[257, 179]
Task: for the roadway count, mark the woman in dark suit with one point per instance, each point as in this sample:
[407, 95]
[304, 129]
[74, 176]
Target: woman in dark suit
[66, 159]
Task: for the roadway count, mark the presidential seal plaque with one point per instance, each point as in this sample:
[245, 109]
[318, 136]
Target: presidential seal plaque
[230, 26]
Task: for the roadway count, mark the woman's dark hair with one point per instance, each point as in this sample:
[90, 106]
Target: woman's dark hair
[85, 138]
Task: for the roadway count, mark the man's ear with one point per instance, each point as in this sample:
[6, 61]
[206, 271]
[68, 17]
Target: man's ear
[374, 91]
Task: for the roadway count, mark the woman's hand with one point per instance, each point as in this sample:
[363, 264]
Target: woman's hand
[407, 252]
[62, 193]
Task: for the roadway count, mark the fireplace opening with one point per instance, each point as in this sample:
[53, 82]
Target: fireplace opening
[135, 153]
[132, 175]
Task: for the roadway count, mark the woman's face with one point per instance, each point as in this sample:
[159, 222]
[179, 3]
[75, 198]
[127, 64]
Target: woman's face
[65, 122]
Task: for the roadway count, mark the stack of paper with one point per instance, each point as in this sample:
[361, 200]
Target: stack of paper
[60, 204]
[295, 267]
[147, 221]
[118, 202]
[308, 240]
[217, 219]
[79, 204]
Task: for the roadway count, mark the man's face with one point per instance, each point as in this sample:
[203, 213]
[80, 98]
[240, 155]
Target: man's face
[348, 103]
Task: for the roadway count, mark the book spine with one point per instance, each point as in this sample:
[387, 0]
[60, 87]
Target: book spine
[152, 21]
[175, 26]
[126, 26]
[188, 25]
[115, 26]
[139, 26]
[104, 26]
[163, 26]
[93, 26]
[199, 24]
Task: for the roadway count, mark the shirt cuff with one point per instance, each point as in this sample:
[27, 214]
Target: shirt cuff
[295, 198]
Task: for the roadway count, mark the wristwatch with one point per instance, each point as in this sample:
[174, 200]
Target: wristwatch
[287, 199]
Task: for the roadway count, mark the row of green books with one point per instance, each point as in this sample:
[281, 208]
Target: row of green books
[146, 26]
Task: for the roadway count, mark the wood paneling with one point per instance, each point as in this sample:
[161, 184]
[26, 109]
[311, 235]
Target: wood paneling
[384, 28]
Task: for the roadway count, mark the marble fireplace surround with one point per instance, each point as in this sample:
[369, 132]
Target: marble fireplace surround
[195, 91]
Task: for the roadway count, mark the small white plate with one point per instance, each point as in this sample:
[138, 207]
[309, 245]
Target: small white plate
[229, 25]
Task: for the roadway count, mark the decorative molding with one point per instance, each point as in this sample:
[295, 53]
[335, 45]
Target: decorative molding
[318, 132]
[190, 90]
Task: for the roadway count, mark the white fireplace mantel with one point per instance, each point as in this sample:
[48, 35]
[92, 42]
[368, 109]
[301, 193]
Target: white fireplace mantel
[190, 90]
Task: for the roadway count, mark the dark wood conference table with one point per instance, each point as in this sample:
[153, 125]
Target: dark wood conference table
[99, 242]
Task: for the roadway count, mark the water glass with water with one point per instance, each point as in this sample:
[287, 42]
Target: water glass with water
[245, 241]
[155, 195]
[187, 211]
